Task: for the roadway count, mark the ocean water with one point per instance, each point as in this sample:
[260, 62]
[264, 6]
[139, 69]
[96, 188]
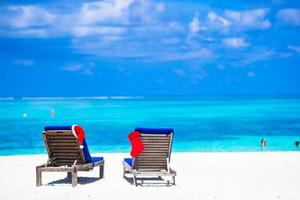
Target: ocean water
[201, 124]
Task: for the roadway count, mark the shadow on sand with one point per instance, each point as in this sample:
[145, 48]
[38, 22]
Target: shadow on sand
[149, 181]
[67, 180]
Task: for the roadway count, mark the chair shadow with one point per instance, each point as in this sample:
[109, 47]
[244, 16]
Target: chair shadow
[154, 181]
[68, 180]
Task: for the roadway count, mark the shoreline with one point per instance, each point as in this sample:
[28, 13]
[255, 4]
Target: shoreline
[173, 152]
[207, 175]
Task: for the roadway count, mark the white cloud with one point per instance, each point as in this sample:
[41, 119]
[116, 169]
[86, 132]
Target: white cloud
[289, 16]
[160, 29]
[24, 62]
[236, 21]
[179, 72]
[115, 17]
[112, 38]
[128, 28]
[82, 31]
[235, 42]
[27, 21]
[192, 54]
[106, 48]
[109, 17]
[201, 74]
[194, 25]
[294, 48]
[216, 21]
[29, 16]
[104, 11]
[249, 19]
[160, 7]
[83, 69]
[198, 75]
[26, 32]
[145, 11]
[250, 74]
[193, 35]
[146, 49]
[221, 66]
[260, 54]
[171, 41]
[175, 26]
[192, 75]
[72, 68]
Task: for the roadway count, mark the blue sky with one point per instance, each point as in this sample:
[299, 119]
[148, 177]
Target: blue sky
[147, 47]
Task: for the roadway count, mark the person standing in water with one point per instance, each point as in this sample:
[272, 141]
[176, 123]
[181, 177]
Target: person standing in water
[52, 112]
[263, 143]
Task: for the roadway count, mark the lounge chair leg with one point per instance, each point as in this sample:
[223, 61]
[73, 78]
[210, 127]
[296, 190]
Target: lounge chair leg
[101, 171]
[173, 180]
[134, 181]
[38, 176]
[74, 178]
[124, 172]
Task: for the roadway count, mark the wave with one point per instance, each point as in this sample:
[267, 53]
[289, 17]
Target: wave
[66, 98]
[83, 98]
[126, 97]
[6, 98]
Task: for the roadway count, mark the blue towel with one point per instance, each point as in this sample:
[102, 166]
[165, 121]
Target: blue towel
[97, 159]
[128, 160]
[49, 128]
[155, 130]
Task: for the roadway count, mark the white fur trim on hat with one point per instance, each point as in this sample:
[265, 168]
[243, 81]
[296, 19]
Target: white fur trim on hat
[73, 130]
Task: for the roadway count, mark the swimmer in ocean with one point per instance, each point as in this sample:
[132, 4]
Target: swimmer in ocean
[52, 112]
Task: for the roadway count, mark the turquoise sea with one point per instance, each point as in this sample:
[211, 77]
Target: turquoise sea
[202, 124]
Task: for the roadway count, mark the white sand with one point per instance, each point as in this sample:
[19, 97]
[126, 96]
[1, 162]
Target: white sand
[231, 176]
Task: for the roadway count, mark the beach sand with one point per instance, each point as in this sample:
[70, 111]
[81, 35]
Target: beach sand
[240, 176]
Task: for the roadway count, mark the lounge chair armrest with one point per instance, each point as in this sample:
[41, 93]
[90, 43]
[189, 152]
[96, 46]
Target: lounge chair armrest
[172, 171]
[41, 166]
[47, 162]
[97, 163]
[74, 164]
[126, 165]
[129, 168]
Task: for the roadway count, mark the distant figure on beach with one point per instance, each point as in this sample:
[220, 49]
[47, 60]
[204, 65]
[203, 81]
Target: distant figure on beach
[297, 143]
[52, 112]
[263, 143]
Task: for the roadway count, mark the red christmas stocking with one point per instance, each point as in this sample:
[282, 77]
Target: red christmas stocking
[137, 145]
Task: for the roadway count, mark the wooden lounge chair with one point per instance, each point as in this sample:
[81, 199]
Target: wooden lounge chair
[154, 160]
[65, 155]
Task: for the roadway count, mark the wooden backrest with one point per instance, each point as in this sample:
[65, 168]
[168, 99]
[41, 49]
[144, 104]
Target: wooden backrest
[156, 154]
[63, 147]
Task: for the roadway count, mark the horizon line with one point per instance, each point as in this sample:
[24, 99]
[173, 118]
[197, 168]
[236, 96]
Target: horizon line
[123, 97]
